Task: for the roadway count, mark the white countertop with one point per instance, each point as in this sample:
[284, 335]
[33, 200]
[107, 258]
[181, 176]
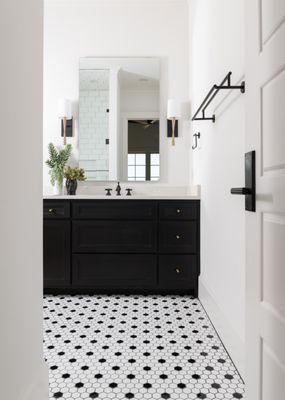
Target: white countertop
[123, 197]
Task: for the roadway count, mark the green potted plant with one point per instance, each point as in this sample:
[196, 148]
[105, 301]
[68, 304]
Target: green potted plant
[72, 175]
[56, 162]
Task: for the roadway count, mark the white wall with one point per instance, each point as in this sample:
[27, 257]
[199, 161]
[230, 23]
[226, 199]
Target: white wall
[217, 46]
[23, 372]
[80, 28]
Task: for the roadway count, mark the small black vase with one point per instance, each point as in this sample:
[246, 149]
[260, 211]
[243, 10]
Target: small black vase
[71, 186]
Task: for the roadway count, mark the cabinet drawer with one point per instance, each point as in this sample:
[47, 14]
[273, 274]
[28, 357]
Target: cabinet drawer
[179, 210]
[114, 209]
[176, 271]
[103, 236]
[56, 209]
[178, 237]
[109, 271]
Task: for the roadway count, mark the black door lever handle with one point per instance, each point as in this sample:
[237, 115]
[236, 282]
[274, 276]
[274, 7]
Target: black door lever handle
[242, 190]
[249, 190]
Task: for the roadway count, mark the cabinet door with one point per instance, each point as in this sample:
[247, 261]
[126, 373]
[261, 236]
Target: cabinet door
[114, 271]
[103, 236]
[178, 237]
[178, 210]
[56, 209]
[177, 271]
[56, 253]
[114, 209]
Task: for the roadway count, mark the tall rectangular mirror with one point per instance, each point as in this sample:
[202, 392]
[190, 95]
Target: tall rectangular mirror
[119, 118]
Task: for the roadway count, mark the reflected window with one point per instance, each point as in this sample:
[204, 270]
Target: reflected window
[136, 167]
[143, 150]
[154, 167]
[142, 165]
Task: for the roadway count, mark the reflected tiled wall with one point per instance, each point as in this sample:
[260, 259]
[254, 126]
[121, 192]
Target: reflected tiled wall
[94, 130]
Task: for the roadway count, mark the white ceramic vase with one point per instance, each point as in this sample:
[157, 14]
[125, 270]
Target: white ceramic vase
[57, 189]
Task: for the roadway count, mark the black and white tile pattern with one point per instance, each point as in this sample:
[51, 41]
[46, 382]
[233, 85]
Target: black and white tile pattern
[135, 347]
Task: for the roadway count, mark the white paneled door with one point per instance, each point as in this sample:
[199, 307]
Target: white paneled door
[265, 229]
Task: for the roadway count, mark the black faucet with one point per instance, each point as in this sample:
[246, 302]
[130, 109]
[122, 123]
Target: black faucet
[118, 189]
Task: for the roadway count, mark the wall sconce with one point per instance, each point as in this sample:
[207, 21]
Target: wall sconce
[173, 114]
[65, 114]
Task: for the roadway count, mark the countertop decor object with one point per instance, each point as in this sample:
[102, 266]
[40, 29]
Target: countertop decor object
[72, 175]
[56, 163]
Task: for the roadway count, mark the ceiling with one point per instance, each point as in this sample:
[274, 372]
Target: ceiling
[132, 81]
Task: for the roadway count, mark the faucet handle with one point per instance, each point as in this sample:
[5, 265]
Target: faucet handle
[108, 190]
[128, 190]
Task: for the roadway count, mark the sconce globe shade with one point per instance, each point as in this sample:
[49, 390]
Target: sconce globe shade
[173, 109]
[64, 109]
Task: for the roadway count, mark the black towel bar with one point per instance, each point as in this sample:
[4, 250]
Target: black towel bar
[225, 84]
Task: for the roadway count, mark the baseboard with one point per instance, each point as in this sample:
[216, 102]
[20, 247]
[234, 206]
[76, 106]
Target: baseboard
[38, 388]
[232, 342]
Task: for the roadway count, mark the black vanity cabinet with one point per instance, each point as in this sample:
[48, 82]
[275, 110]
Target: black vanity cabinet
[56, 246]
[121, 246]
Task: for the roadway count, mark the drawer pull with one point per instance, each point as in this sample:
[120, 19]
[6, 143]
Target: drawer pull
[178, 237]
[51, 211]
[178, 211]
[178, 270]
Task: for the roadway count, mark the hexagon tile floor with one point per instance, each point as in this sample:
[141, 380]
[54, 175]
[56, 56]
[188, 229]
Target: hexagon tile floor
[135, 347]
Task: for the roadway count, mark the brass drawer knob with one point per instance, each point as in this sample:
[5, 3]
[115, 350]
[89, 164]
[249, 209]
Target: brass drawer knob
[177, 237]
[178, 211]
[178, 270]
[51, 211]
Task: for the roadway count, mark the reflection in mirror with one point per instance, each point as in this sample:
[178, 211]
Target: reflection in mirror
[119, 118]
[143, 150]
[94, 123]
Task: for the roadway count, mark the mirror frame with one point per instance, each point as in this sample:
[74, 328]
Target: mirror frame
[122, 143]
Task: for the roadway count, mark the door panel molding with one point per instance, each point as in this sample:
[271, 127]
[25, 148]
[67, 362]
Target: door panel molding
[272, 374]
[272, 119]
[272, 260]
[267, 7]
